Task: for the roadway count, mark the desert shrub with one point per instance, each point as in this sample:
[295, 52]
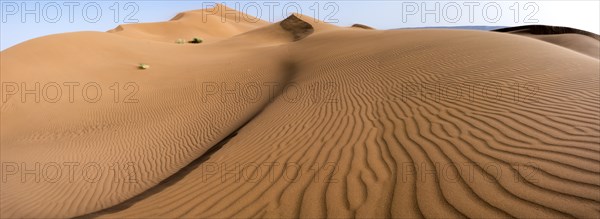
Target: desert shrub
[180, 41]
[196, 40]
[143, 66]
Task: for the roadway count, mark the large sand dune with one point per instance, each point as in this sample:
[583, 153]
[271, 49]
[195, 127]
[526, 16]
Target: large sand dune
[355, 122]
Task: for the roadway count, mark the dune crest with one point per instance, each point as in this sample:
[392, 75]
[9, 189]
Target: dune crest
[297, 27]
[362, 26]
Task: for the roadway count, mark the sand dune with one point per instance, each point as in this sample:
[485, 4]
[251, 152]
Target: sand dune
[167, 122]
[211, 24]
[361, 123]
[577, 40]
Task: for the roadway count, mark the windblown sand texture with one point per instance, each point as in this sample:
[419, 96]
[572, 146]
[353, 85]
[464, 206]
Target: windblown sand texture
[355, 127]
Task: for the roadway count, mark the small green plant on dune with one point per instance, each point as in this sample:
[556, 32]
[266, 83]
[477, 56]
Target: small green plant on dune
[180, 41]
[196, 40]
[143, 66]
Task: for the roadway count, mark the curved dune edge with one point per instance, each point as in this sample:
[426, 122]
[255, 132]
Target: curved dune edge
[547, 29]
[362, 26]
[390, 152]
[577, 40]
[173, 123]
[202, 127]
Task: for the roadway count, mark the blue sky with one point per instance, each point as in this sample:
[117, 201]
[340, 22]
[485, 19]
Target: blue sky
[24, 20]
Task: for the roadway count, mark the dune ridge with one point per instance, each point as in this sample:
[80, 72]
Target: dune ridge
[212, 24]
[578, 40]
[362, 26]
[353, 129]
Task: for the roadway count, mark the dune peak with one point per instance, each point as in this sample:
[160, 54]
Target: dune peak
[298, 27]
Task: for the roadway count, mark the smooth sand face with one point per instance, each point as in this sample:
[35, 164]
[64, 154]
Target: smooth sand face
[370, 123]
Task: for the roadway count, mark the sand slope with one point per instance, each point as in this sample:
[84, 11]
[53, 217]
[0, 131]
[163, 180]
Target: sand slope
[364, 123]
[373, 136]
[155, 126]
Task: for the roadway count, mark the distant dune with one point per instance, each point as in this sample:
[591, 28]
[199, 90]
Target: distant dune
[301, 118]
[578, 40]
[460, 27]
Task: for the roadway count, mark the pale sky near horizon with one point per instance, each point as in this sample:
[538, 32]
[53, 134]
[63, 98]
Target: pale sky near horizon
[24, 20]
